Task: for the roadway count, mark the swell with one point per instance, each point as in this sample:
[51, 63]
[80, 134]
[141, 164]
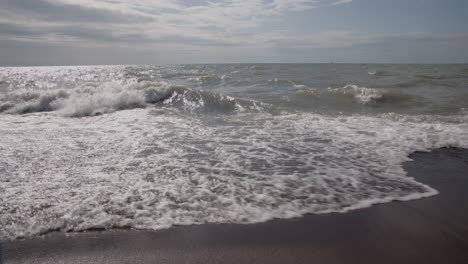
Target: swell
[285, 82]
[429, 80]
[440, 76]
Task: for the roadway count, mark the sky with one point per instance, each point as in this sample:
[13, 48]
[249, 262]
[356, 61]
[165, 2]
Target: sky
[74, 32]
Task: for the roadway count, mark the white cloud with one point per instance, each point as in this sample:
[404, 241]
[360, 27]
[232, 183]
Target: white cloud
[148, 22]
[297, 5]
[339, 2]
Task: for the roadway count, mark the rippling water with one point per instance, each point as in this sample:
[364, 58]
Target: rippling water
[155, 146]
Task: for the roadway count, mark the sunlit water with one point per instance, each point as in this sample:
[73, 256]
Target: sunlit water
[154, 146]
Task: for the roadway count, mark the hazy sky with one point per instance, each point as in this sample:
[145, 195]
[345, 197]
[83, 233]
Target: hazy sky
[67, 32]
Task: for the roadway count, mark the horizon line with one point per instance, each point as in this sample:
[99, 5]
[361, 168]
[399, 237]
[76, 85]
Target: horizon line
[231, 63]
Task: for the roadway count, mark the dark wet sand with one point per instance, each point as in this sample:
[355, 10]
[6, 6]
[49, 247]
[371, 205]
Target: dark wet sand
[430, 230]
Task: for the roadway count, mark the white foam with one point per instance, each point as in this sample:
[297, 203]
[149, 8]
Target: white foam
[299, 86]
[362, 95]
[148, 168]
[110, 96]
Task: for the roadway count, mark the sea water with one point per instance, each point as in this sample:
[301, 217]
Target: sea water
[149, 147]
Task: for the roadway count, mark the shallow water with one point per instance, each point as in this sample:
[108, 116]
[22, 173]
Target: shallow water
[155, 146]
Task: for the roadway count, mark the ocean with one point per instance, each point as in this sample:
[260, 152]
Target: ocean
[150, 147]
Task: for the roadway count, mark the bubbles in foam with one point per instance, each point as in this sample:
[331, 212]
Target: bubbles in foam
[149, 168]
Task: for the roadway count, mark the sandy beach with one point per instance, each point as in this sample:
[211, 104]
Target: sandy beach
[430, 230]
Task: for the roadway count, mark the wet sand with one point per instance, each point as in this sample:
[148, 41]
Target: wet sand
[430, 230]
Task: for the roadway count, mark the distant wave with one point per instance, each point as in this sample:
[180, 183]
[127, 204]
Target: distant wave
[439, 76]
[362, 95]
[208, 79]
[286, 82]
[377, 73]
[413, 83]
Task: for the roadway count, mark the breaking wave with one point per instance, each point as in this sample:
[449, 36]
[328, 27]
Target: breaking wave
[92, 100]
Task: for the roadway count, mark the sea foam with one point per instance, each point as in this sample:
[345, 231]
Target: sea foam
[151, 169]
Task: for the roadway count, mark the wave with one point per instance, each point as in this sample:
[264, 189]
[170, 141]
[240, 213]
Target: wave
[361, 95]
[377, 73]
[285, 82]
[414, 83]
[109, 97]
[440, 76]
[209, 79]
[27, 101]
[428, 79]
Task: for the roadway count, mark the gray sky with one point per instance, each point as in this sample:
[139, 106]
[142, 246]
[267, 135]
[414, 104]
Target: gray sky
[68, 32]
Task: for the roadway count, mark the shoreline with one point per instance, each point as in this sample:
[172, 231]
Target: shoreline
[428, 230]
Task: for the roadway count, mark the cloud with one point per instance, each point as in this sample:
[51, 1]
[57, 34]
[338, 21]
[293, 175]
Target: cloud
[297, 5]
[195, 30]
[120, 22]
[348, 39]
[339, 2]
[46, 10]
